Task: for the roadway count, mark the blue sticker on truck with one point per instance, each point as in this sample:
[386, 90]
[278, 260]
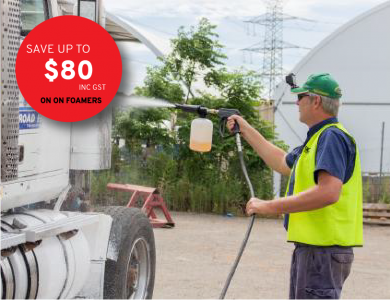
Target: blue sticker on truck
[28, 118]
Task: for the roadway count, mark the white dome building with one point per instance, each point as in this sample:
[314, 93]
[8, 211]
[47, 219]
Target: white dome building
[358, 56]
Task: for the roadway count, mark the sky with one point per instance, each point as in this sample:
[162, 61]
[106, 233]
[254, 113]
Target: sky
[163, 18]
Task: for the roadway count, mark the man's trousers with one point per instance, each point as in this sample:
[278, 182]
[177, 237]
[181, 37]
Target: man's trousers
[319, 272]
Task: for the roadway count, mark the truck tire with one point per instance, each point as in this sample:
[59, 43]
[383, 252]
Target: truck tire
[131, 276]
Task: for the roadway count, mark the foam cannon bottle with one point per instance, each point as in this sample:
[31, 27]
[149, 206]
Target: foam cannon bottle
[201, 136]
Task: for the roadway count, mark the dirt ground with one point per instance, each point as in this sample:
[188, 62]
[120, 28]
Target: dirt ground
[194, 259]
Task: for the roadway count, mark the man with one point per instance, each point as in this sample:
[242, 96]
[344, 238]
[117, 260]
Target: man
[323, 204]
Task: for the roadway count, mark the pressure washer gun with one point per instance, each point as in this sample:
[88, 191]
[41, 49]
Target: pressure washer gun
[223, 113]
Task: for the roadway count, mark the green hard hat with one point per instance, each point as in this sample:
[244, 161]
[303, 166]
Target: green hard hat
[321, 84]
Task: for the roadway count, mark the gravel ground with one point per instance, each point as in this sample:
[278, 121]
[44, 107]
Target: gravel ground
[194, 259]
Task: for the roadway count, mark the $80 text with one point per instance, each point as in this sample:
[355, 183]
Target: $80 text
[67, 72]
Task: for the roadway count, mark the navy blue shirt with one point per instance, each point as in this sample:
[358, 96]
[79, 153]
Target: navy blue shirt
[336, 154]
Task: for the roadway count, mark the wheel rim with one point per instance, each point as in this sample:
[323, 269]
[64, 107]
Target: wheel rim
[138, 270]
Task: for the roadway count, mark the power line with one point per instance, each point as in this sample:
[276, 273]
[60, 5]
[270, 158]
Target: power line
[273, 44]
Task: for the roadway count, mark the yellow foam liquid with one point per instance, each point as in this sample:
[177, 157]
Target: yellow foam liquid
[200, 147]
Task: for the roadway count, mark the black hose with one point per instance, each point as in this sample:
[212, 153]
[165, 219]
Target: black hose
[248, 232]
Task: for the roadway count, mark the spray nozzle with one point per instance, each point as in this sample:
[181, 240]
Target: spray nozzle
[200, 110]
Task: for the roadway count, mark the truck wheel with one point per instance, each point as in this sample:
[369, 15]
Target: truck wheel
[131, 276]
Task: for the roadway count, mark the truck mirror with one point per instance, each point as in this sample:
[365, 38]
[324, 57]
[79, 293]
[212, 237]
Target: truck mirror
[87, 9]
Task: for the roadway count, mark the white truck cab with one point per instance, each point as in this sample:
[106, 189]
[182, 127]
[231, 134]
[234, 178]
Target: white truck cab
[47, 252]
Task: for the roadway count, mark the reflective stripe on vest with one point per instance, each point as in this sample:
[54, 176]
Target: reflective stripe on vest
[338, 224]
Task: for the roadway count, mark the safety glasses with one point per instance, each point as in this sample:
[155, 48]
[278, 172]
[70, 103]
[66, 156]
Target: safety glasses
[300, 96]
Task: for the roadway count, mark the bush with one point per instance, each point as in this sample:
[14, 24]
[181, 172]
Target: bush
[206, 190]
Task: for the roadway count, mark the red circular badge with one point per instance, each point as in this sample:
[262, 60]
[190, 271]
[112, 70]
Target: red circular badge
[68, 68]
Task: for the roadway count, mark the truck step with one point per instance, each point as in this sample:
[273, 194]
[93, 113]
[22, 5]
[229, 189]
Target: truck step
[12, 239]
[46, 230]
[39, 232]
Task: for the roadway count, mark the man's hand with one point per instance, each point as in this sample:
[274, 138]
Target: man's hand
[257, 206]
[326, 192]
[244, 125]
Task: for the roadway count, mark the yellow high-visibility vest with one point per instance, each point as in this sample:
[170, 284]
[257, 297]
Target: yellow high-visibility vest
[338, 224]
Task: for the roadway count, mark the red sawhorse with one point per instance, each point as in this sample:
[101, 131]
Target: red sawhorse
[151, 200]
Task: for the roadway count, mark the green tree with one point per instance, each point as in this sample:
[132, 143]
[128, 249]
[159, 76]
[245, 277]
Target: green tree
[194, 73]
[195, 53]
